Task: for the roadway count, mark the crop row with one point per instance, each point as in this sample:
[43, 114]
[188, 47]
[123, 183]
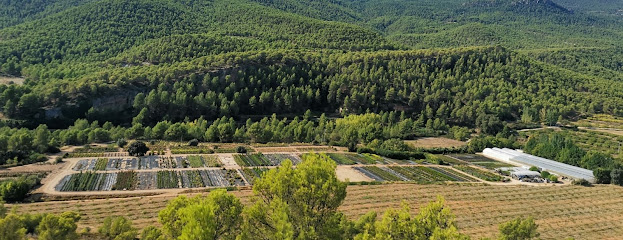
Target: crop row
[351, 159]
[484, 175]
[276, 159]
[418, 174]
[253, 173]
[96, 149]
[87, 181]
[126, 181]
[256, 159]
[168, 179]
[165, 179]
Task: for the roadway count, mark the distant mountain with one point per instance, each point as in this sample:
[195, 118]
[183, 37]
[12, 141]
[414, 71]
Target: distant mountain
[102, 29]
[607, 7]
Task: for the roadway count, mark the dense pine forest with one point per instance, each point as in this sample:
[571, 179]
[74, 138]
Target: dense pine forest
[294, 70]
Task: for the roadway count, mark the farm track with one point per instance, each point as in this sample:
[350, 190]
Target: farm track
[560, 211]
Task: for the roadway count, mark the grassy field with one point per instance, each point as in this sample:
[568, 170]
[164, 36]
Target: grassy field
[561, 212]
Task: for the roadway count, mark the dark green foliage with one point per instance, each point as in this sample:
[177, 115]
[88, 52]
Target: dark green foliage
[241, 149]
[558, 147]
[193, 142]
[616, 177]
[14, 190]
[137, 148]
[121, 142]
[602, 175]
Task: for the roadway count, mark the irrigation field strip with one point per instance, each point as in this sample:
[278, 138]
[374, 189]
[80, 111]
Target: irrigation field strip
[388, 199]
[458, 198]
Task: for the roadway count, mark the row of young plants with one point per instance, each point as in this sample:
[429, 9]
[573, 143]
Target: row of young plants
[89, 149]
[456, 176]
[277, 159]
[419, 174]
[101, 163]
[351, 159]
[252, 160]
[87, 181]
[126, 181]
[250, 174]
[484, 175]
[167, 179]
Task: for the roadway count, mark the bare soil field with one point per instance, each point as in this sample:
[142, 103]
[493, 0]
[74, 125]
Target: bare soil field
[435, 142]
[14, 80]
[346, 172]
[560, 211]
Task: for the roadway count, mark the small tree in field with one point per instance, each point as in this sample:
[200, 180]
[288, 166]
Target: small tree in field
[519, 229]
[137, 148]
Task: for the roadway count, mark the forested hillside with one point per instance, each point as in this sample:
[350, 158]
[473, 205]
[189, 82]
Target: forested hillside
[473, 64]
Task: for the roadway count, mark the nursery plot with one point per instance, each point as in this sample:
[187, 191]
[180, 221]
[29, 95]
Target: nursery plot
[195, 161]
[481, 161]
[192, 179]
[352, 158]
[126, 181]
[380, 174]
[86, 181]
[454, 175]
[147, 180]
[100, 165]
[167, 179]
[484, 175]
[252, 160]
[211, 161]
[82, 165]
[276, 159]
[341, 159]
[149, 162]
[250, 174]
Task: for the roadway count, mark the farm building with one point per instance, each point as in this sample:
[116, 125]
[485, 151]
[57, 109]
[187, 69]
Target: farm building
[522, 159]
[525, 174]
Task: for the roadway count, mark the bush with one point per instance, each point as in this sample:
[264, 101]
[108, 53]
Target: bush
[616, 177]
[582, 182]
[53, 149]
[533, 168]
[14, 190]
[241, 149]
[553, 178]
[545, 174]
[193, 143]
[602, 175]
[122, 142]
[137, 148]
[118, 228]
[58, 159]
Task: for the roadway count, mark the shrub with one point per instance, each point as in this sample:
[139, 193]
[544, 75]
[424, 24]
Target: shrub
[193, 143]
[602, 175]
[137, 148]
[553, 178]
[122, 142]
[582, 182]
[616, 177]
[58, 159]
[545, 174]
[534, 168]
[241, 149]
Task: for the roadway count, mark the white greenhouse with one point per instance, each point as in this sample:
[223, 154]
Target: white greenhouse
[522, 159]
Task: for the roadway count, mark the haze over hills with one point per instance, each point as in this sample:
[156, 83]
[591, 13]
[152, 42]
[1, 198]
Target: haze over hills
[402, 83]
